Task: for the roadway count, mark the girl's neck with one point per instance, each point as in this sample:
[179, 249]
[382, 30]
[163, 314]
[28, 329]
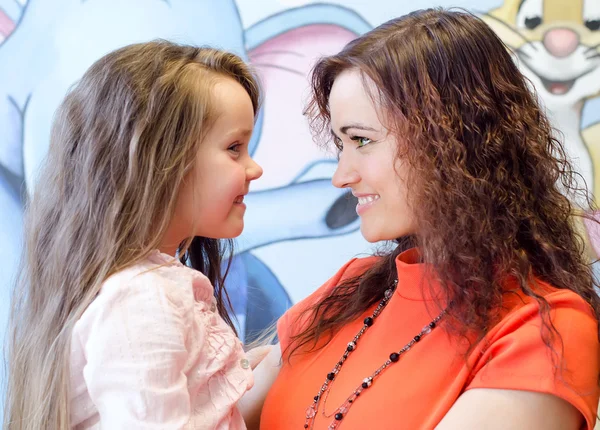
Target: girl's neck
[172, 239]
[168, 249]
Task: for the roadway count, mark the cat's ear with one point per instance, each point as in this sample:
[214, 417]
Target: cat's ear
[503, 21]
[283, 63]
[507, 12]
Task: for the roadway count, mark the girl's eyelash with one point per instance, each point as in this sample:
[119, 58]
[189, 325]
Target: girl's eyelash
[234, 147]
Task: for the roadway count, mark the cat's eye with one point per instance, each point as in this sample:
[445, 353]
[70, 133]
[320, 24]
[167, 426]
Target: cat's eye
[593, 24]
[530, 14]
[591, 14]
[532, 23]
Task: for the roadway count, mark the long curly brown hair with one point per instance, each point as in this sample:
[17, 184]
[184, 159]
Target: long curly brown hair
[492, 181]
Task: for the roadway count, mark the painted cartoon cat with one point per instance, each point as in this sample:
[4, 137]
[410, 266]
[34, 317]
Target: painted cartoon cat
[556, 44]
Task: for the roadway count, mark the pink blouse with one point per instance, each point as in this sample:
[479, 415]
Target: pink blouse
[152, 352]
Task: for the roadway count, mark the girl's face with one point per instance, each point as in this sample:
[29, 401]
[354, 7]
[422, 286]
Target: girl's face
[211, 201]
[368, 162]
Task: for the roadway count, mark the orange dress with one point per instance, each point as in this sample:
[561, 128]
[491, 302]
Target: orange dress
[417, 391]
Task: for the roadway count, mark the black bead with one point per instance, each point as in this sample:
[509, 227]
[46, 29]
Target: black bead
[316, 398]
[357, 393]
[305, 426]
[330, 376]
[432, 324]
[365, 385]
[417, 338]
[368, 321]
[339, 416]
[394, 356]
[350, 401]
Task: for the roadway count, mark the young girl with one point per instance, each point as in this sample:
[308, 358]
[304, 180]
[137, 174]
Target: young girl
[484, 314]
[109, 330]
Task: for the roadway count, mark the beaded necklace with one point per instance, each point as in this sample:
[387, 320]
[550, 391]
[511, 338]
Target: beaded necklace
[340, 413]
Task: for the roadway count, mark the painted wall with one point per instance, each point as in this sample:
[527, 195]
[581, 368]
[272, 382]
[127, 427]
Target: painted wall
[289, 246]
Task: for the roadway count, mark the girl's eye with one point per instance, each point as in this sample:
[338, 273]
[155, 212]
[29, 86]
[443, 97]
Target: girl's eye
[362, 141]
[235, 147]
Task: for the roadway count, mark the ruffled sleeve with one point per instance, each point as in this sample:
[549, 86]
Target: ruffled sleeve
[136, 353]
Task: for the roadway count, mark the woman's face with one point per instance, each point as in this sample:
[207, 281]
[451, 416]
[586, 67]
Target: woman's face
[368, 162]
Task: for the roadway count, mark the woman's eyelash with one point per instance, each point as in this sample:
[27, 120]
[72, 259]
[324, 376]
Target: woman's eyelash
[361, 140]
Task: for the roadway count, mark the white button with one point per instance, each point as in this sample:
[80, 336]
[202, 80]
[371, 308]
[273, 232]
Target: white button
[245, 363]
[213, 308]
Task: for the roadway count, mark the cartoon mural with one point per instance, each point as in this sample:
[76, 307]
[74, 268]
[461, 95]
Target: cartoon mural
[278, 212]
[10, 12]
[283, 46]
[557, 46]
[6, 25]
[299, 229]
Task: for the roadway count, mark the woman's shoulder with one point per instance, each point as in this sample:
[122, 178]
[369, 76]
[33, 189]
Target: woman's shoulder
[554, 351]
[567, 312]
[558, 299]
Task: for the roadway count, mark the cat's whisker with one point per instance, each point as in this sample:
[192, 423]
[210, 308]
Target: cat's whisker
[592, 48]
[517, 52]
[522, 54]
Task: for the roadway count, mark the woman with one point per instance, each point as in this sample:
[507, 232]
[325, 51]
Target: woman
[484, 313]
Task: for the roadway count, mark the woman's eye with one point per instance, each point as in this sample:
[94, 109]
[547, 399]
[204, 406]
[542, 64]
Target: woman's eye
[362, 141]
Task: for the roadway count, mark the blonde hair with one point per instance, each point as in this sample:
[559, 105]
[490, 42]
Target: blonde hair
[122, 142]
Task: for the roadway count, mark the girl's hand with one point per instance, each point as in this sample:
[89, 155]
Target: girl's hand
[256, 355]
